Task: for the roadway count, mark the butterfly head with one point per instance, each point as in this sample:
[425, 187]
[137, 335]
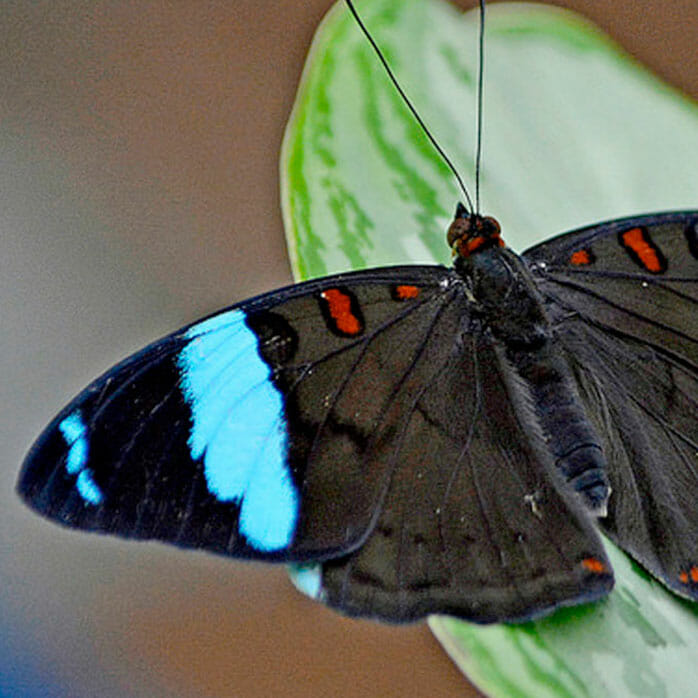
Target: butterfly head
[471, 232]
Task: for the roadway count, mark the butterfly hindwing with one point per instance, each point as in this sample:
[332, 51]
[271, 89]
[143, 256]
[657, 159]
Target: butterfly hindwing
[624, 296]
[649, 414]
[473, 523]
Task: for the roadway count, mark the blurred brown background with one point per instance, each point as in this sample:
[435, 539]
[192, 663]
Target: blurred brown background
[139, 189]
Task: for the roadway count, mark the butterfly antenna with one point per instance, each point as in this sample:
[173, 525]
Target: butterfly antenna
[480, 87]
[406, 100]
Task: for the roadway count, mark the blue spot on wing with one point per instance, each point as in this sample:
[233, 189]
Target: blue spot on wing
[75, 435]
[74, 432]
[88, 488]
[238, 428]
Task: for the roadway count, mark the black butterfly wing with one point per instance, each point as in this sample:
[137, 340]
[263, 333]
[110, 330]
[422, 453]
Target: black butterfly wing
[241, 433]
[366, 417]
[625, 298]
[473, 523]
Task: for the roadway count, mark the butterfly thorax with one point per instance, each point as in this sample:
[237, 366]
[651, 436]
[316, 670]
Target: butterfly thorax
[501, 285]
[506, 297]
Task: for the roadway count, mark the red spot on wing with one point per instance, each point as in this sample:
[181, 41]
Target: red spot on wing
[340, 311]
[404, 293]
[594, 565]
[581, 258]
[691, 575]
[643, 250]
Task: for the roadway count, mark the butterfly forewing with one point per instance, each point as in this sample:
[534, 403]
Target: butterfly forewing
[626, 312]
[637, 276]
[243, 433]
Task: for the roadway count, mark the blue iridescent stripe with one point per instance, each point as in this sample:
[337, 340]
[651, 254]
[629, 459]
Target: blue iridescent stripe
[238, 428]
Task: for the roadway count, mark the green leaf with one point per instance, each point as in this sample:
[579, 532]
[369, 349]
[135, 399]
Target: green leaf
[574, 132]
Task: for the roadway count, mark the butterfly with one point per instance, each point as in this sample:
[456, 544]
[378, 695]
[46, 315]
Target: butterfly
[437, 439]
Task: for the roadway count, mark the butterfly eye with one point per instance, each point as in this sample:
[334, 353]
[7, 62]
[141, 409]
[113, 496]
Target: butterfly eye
[459, 229]
[489, 227]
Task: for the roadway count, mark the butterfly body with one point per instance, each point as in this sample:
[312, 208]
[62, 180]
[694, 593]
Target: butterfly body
[512, 309]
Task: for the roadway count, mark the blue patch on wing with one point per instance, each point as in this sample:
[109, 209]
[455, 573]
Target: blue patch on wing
[238, 428]
[88, 488]
[307, 578]
[74, 432]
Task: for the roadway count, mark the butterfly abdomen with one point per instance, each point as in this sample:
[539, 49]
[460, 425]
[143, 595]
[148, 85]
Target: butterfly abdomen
[568, 433]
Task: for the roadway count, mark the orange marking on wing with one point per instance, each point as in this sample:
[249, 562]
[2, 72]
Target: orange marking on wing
[683, 577]
[694, 574]
[580, 257]
[635, 240]
[339, 305]
[406, 292]
[593, 565]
